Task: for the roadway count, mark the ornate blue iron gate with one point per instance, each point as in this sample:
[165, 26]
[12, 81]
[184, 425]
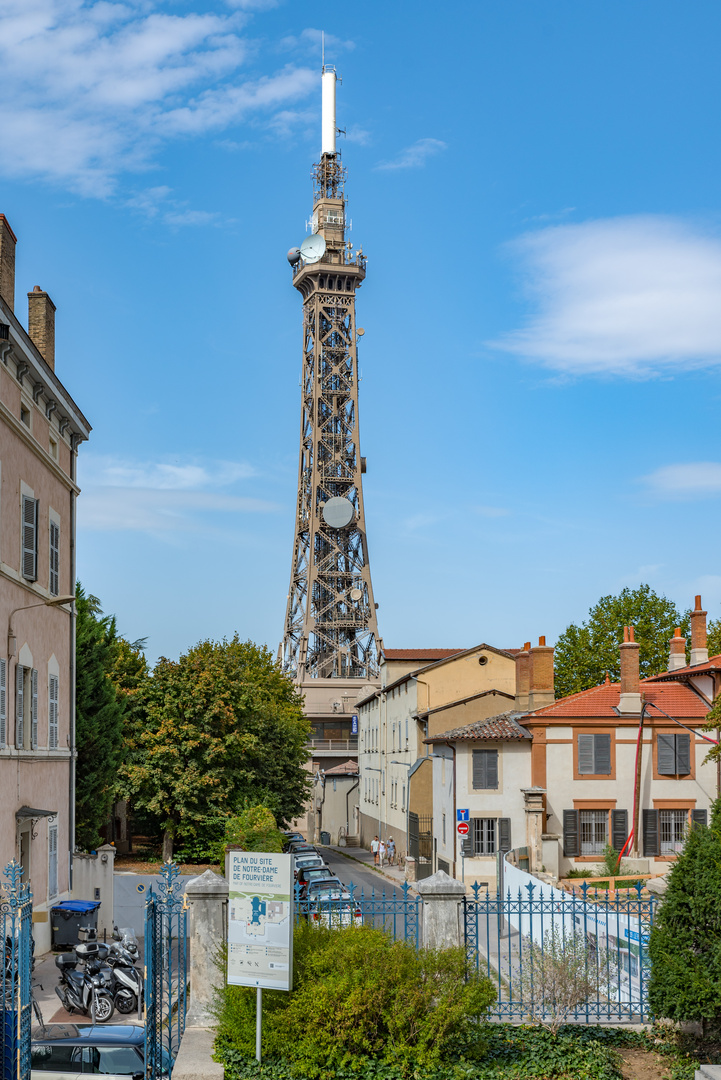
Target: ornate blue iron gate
[166, 972]
[16, 913]
[398, 912]
[542, 947]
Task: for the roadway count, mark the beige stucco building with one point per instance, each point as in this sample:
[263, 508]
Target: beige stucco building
[421, 691]
[621, 763]
[40, 430]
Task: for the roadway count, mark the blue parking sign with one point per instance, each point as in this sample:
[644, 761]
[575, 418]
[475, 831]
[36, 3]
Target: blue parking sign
[462, 815]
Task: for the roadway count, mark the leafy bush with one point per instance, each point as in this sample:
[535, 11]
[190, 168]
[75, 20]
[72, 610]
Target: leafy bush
[579, 873]
[360, 997]
[685, 944]
[253, 829]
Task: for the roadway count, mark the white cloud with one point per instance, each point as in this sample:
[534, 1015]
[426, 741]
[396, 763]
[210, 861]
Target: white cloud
[311, 37]
[93, 88]
[634, 296]
[700, 479]
[415, 156]
[156, 497]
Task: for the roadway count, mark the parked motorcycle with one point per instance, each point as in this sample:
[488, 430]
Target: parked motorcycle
[89, 991]
[127, 980]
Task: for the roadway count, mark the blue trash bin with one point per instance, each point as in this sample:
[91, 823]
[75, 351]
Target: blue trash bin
[66, 919]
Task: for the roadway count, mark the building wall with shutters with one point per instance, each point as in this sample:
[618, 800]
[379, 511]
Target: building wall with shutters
[40, 429]
[572, 790]
[504, 803]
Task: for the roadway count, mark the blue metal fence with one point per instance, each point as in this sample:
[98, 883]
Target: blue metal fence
[16, 909]
[166, 972]
[398, 912]
[548, 951]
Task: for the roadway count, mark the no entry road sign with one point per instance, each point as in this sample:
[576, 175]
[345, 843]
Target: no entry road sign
[462, 828]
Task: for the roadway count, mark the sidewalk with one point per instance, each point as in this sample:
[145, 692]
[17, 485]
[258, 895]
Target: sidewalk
[365, 858]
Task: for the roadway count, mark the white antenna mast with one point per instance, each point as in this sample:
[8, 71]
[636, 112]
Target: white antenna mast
[328, 128]
[322, 51]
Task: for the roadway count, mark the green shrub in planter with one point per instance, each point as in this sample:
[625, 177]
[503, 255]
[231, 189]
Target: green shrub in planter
[360, 996]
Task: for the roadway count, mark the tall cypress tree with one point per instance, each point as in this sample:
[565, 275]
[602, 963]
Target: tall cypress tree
[99, 720]
[685, 946]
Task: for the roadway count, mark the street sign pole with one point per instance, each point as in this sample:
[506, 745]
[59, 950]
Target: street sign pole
[258, 1021]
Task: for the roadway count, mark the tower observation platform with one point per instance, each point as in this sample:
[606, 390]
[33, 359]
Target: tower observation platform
[331, 647]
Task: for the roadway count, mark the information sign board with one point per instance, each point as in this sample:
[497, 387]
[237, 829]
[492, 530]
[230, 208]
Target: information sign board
[260, 919]
[354, 724]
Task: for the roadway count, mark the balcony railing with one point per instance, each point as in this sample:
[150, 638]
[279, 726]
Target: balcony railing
[347, 745]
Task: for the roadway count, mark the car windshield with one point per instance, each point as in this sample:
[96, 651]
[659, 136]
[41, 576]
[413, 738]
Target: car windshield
[331, 894]
[310, 860]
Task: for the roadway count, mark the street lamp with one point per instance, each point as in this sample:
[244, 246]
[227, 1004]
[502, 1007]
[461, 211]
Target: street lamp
[53, 601]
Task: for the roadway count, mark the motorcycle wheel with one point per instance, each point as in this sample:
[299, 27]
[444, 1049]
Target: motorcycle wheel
[126, 1003]
[104, 1008]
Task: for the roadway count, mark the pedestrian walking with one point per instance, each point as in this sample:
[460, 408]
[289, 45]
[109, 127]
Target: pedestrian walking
[374, 849]
[381, 851]
[391, 850]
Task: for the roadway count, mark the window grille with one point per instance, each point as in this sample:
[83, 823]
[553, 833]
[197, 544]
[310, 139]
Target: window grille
[674, 825]
[594, 831]
[484, 836]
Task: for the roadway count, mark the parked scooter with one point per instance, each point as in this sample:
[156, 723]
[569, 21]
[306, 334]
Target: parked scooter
[89, 991]
[127, 980]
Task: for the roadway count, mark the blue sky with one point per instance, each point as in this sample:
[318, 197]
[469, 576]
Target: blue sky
[536, 189]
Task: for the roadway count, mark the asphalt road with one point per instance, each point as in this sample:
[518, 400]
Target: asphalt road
[349, 870]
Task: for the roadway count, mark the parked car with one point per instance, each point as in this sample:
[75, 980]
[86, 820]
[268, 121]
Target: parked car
[299, 845]
[290, 836]
[115, 1050]
[313, 873]
[330, 904]
[306, 862]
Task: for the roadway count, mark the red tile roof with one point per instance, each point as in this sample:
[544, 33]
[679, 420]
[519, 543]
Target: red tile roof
[712, 664]
[420, 654]
[503, 726]
[346, 768]
[602, 701]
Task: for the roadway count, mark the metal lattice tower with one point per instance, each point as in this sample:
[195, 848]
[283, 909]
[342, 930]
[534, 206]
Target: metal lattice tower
[331, 628]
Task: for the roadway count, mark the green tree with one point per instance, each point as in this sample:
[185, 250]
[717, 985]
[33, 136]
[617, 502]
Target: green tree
[714, 637]
[585, 653]
[99, 719]
[253, 829]
[685, 945]
[222, 726]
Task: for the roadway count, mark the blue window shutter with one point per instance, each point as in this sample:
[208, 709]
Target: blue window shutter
[666, 755]
[585, 754]
[34, 710]
[683, 755]
[19, 707]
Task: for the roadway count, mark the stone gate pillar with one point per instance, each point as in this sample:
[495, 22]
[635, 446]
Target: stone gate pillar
[207, 897]
[442, 910]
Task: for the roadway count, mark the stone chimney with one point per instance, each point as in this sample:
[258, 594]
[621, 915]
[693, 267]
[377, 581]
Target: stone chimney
[523, 677]
[541, 676]
[677, 651]
[8, 240]
[699, 648]
[41, 324]
[630, 700]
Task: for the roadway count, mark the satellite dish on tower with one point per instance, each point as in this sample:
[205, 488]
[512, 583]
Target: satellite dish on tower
[294, 256]
[313, 248]
[338, 512]
[356, 594]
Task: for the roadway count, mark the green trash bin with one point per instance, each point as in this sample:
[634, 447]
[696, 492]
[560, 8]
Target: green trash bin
[324, 837]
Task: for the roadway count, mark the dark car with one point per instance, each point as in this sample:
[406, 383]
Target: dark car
[298, 845]
[313, 873]
[61, 1051]
[291, 836]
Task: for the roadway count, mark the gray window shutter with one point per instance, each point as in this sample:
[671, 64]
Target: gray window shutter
[570, 833]
[34, 713]
[3, 703]
[479, 769]
[619, 828]
[585, 754]
[602, 755]
[54, 559]
[30, 538]
[19, 706]
[53, 703]
[683, 755]
[699, 817]
[504, 834]
[492, 770]
[650, 832]
[666, 755]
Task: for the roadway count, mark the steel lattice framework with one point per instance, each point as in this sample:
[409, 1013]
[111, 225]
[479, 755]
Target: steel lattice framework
[331, 628]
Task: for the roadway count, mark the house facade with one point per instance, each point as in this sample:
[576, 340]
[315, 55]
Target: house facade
[41, 428]
[621, 763]
[420, 690]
